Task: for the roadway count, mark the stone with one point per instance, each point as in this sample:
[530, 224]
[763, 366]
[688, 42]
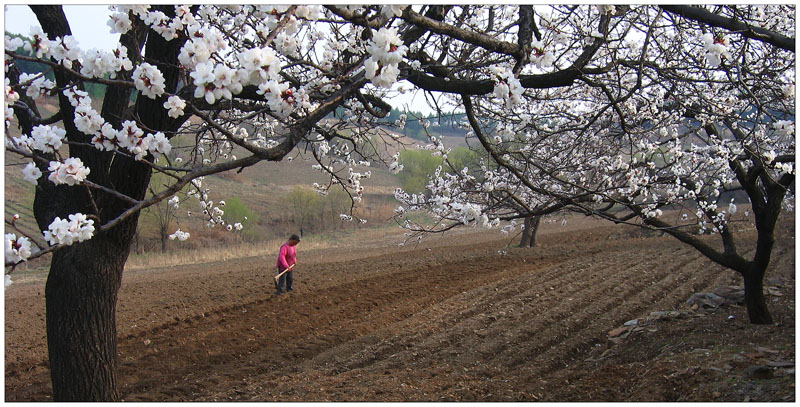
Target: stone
[617, 331]
[706, 300]
[632, 322]
[732, 294]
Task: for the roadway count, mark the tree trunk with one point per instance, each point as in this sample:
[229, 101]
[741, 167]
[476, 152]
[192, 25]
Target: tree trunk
[81, 290]
[163, 231]
[754, 298]
[534, 230]
[531, 226]
[526, 233]
[81, 296]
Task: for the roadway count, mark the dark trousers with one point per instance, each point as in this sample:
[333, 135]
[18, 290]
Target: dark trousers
[288, 278]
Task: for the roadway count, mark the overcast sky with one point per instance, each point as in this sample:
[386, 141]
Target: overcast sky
[88, 24]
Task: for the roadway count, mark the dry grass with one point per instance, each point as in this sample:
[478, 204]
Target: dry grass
[151, 260]
[379, 236]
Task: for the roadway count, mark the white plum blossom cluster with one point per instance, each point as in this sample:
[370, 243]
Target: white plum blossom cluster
[44, 138]
[175, 106]
[395, 167]
[31, 173]
[70, 172]
[37, 84]
[11, 96]
[261, 64]
[119, 23]
[180, 235]
[62, 231]
[213, 213]
[105, 137]
[39, 44]
[392, 10]
[17, 249]
[99, 63]
[215, 82]
[65, 50]
[149, 80]
[386, 51]
[446, 200]
[280, 98]
[508, 87]
[354, 182]
[541, 57]
[716, 48]
[94, 63]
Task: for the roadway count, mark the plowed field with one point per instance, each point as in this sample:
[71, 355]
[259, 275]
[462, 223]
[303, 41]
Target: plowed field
[457, 318]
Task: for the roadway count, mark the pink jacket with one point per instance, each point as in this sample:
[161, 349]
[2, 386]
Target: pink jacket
[287, 256]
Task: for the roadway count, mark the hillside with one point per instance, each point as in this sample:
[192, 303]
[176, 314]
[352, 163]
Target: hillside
[265, 189]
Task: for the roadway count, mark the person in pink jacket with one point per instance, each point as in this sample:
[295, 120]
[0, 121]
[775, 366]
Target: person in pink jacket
[286, 258]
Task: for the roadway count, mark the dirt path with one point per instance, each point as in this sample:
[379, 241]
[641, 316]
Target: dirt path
[460, 319]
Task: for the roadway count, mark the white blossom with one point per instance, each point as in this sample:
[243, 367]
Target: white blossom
[70, 172]
[62, 231]
[17, 250]
[158, 144]
[387, 50]
[149, 80]
[47, 138]
[119, 23]
[31, 173]
[180, 235]
[65, 50]
[39, 45]
[392, 10]
[175, 106]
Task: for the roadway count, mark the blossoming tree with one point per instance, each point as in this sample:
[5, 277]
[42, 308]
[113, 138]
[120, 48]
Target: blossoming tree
[657, 121]
[602, 110]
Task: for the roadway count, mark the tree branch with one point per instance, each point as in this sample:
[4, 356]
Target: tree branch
[704, 16]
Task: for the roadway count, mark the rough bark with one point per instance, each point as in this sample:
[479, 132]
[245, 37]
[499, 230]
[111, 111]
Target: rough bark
[754, 298]
[81, 294]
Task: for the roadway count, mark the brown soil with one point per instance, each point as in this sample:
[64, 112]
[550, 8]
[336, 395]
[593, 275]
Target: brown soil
[461, 318]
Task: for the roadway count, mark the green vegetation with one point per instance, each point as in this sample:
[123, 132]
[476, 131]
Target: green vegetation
[417, 164]
[238, 211]
[461, 157]
[311, 212]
